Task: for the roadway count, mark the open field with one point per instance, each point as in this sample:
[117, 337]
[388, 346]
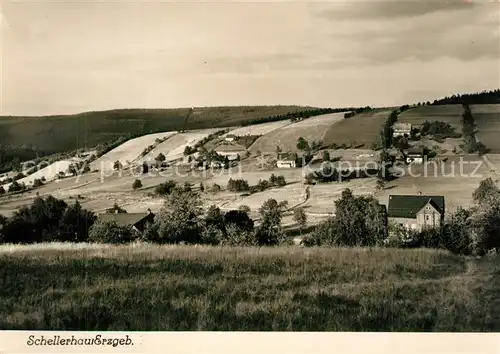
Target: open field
[313, 128]
[97, 195]
[323, 196]
[230, 148]
[487, 118]
[363, 128]
[49, 172]
[259, 129]
[294, 194]
[128, 151]
[54, 134]
[95, 287]
[173, 148]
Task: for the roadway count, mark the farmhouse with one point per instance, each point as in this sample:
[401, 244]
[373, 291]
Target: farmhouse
[415, 155]
[416, 212]
[400, 129]
[285, 161]
[137, 221]
[230, 137]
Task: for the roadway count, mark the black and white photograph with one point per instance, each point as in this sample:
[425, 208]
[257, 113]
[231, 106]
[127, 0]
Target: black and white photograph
[248, 166]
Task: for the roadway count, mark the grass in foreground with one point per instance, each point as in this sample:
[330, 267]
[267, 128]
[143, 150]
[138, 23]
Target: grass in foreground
[145, 287]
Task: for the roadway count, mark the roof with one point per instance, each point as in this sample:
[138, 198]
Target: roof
[407, 206]
[230, 136]
[415, 151]
[402, 126]
[123, 219]
[285, 156]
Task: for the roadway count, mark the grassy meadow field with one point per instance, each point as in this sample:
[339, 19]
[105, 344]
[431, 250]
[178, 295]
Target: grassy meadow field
[311, 129]
[143, 287]
[362, 129]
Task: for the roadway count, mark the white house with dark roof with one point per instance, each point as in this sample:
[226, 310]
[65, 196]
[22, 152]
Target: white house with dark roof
[400, 129]
[416, 212]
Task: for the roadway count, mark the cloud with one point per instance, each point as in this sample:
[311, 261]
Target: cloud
[435, 30]
[391, 9]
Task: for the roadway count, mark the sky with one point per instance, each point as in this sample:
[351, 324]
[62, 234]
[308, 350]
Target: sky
[64, 57]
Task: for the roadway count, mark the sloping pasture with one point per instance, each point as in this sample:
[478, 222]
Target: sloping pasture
[363, 128]
[259, 129]
[173, 148]
[128, 151]
[313, 128]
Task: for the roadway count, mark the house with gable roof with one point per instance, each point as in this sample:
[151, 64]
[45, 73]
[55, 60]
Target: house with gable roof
[138, 221]
[416, 212]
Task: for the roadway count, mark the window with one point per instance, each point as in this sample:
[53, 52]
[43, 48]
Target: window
[427, 217]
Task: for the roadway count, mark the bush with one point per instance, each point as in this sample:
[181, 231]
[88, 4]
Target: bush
[165, 188]
[212, 235]
[270, 232]
[481, 149]
[359, 221]
[188, 150]
[137, 184]
[235, 236]
[244, 208]
[116, 209]
[280, 181]
[15, 186]
[310, 178]
[238, 219]
[37, 183]
[160, 157]
[237, 185]
[36, 223]
[2, 190]
[487, 192]
[75, 223]
[180, 218]
[326, 156]
[18, 176]
[263, 185]
[111, 232]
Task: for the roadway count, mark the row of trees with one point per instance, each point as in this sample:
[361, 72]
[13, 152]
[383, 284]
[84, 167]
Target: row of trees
[357, 111]
[438, 129]
[241, 185]
[484, 97]
[386, 133]
[469, 132]
[182, 219]
[47, 219]
[295, 115]
[358, 221]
